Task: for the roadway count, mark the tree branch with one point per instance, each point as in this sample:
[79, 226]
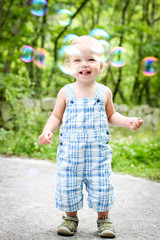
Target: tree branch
[8, 10]
[98, 11]
[61, 33]
[147, 13]
[113, 81]
[40, 32]
[153, 10]
[2, 21]
[120, 44]
[156, 19]
[93, 15]
[124, 12]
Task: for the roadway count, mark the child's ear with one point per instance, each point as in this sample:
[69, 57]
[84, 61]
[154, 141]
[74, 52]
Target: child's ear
[101, 67]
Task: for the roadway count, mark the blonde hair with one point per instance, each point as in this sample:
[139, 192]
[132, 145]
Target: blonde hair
[92, 41]
[87, 38]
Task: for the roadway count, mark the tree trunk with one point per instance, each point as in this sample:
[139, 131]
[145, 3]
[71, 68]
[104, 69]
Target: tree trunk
[120, 44]
[136, 85]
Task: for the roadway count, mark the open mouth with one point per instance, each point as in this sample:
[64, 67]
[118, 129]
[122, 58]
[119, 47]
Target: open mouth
[85, 72]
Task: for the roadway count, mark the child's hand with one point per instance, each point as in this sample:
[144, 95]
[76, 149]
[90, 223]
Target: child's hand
[134, 123]
[45, 137]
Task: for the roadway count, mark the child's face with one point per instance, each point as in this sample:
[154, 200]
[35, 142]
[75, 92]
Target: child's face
[85, 66]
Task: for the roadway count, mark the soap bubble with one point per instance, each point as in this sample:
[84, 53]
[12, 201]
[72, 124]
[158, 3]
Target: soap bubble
[32, 178]
[101, 52]
[69, 38]
[40, 57]
[39, 7]
[64, 16]
[149, 66]
[118, 56]
[27, 53]
[32, 172]
[64, 54]
[99, 33]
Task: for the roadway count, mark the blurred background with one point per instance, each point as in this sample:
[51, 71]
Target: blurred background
[31, 36]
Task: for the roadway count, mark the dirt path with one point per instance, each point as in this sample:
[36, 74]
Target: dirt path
[27, 210]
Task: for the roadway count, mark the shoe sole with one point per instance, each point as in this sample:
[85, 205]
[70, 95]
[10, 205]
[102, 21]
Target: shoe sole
[108, 234]
[65, 231]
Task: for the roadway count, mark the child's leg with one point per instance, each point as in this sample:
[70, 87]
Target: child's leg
[101, 214]
[74, 214]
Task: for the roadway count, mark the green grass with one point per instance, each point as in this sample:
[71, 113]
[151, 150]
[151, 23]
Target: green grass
[134, 152]
[137, 153]
[27, 145]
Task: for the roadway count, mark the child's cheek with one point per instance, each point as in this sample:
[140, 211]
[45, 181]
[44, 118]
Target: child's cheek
[73, 70]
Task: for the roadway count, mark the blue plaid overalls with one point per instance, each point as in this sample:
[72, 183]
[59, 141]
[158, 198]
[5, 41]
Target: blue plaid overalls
[84, 154]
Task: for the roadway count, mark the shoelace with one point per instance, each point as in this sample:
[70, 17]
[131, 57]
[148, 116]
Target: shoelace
[105, 224]
[68, 222]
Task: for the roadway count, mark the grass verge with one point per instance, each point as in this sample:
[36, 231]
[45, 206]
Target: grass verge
[134, 152]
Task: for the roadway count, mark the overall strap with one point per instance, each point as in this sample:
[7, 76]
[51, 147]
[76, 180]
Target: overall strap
[69, 91]
[100, 91]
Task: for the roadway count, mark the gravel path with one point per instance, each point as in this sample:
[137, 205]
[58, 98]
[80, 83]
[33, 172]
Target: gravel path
[27, 210]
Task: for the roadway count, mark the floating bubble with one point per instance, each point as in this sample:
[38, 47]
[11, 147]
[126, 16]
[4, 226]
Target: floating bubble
[64, 16]
[118, 57]
[40, 57]
[38, 7]
[27, 53]
[64, 55]
[32, 172]
[32, 178]
[101, 52]
[31, 184]
[149, 66]
[99, 33]
[69, 38]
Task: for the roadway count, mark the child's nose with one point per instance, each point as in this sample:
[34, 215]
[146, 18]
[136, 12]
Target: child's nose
[84, 63]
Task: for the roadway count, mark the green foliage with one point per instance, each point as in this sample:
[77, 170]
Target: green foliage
[135, 153]
[23, 140]
[139, 157]
[135, 24]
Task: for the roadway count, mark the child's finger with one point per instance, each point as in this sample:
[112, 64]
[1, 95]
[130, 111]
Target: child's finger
[140, 120]
[137, 124]
[140, 123]
[50, 136]
[133, 125]
[49, 140]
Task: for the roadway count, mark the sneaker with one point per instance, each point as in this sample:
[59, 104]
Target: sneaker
[69, 226]
[105, 228]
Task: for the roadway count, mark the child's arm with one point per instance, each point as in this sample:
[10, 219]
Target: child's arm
[55, 119]
[118, 119]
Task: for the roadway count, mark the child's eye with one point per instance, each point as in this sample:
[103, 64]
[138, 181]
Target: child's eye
[77, 60]
[91, 59]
